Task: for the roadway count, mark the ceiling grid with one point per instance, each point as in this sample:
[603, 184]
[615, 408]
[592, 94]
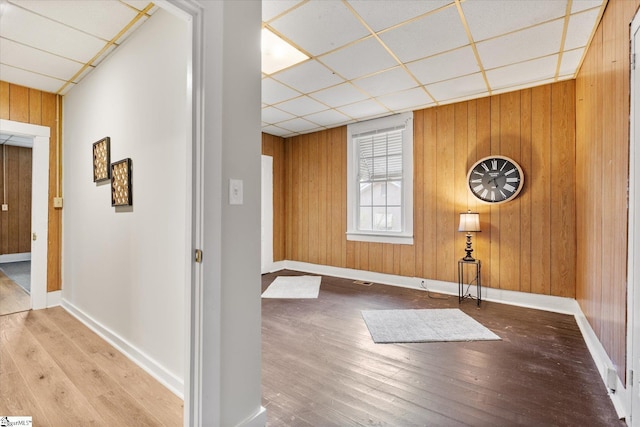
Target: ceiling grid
[366, 59]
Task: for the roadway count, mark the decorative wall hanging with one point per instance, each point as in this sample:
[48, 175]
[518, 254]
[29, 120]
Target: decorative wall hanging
[121, 194]
[102, 160]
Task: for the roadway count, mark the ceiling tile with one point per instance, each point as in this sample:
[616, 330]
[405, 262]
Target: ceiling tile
[522, 45]
[337, 96]
[579, 5]
[570, 61]
[359, 59]
[274, 115]
[308, 77]
[275, 130]
[273, 8]
[523, 73]
[445, 66]
[386, 82]
[298, 125]
[383, 14]
[302, 106]
[456, 88]
[576, 35]
[28, 58]
[328, 118]
[428, 36]
[18, 24]
[28, 79]
[274, 92]
[101, 18]
[364, 109]
[139, 5]
[508, 15]
[320, 26]
[411, 99]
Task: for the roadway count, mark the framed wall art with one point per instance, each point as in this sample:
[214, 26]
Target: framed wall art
[121, 194]
[102, 160]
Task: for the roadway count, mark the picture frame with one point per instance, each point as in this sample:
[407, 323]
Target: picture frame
[121, 190]
[102, 160]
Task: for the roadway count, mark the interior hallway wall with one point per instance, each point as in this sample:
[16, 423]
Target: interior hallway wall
[125, 268]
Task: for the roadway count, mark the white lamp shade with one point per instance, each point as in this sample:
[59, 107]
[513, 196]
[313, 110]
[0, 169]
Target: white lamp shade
[469, 221]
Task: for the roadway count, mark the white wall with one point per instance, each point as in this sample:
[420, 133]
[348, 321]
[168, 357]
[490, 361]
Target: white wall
[124, 269]
[231, 268]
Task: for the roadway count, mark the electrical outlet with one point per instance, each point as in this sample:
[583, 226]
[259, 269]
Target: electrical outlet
[5, 208]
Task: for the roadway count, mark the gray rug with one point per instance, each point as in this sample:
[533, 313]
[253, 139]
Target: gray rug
[293, 287]
[430, 325]
[19, 272]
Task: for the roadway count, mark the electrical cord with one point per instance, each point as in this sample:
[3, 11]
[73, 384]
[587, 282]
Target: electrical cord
[423, 286]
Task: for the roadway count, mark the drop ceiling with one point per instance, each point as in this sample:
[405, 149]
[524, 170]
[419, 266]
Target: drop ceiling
[367, 58]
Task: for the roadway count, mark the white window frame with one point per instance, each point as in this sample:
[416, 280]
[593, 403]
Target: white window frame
[405, 236]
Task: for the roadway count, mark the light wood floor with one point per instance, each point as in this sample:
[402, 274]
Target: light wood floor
[58, 371]
[12, 297]
[320, 366]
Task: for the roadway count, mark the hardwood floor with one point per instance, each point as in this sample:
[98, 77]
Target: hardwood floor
[58, 371]
[12, 297]
[321, 368]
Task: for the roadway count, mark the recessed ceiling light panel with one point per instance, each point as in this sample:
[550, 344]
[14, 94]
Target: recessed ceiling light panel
[277, 54]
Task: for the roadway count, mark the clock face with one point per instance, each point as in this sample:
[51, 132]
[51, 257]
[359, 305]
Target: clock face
[495, 179]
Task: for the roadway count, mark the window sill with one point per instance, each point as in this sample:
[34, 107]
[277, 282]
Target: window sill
[398, 239]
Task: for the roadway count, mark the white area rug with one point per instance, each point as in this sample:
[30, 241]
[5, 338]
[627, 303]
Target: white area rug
[430, 325]
[293, 287]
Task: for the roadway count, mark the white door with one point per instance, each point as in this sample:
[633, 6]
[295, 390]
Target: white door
[267, 213]
[633, 301]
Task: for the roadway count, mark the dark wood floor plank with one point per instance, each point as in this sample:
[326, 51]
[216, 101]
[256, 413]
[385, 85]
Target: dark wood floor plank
[320, 364]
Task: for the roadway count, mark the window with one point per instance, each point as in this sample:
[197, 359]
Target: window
[380, 180]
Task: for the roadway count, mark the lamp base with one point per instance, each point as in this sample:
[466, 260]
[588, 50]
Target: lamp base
[468, 249]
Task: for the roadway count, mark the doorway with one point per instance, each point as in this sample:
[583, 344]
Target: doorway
[267, 214]
[37, 137]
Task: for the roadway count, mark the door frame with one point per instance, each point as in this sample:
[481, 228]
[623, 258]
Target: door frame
[633, 269]
[39, 204]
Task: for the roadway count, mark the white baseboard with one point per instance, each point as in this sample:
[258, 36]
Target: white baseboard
[523, 299]
[257, 420]
[618, 393]
[54, 299]
[153, 368]
[25, 256]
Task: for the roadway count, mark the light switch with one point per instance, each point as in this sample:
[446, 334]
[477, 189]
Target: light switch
[235, 191]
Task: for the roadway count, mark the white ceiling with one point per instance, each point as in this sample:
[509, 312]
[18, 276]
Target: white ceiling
[368, 58]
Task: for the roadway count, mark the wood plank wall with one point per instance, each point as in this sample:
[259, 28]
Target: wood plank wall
[602, 156]
[32, 106]
[274, 146]
[526, 245]
[15, 224]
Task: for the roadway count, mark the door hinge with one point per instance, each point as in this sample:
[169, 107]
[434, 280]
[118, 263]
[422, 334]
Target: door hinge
[198, 257]
[633, 61]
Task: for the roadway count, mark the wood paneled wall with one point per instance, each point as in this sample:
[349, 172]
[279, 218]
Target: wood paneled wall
[274, 146]
[602, 157]
[15, 224]
[32, 106]
[526, 245]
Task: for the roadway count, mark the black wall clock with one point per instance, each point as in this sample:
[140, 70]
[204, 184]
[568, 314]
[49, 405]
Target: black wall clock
[495, 179]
